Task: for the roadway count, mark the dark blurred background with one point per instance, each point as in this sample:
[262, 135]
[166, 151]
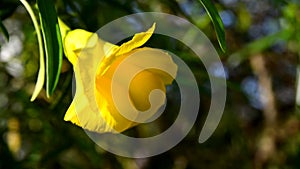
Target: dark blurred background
[260, 125]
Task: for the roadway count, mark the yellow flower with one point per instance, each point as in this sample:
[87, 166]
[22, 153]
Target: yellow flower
[95, 64]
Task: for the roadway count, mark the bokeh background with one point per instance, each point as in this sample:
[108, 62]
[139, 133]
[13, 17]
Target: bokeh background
[260, 125]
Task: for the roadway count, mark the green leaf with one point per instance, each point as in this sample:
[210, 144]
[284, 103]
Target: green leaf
[52, 43]
[217, 22]
[4, 30]
[41, 75]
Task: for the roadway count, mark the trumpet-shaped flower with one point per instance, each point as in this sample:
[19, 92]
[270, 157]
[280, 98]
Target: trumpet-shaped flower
[110, 87]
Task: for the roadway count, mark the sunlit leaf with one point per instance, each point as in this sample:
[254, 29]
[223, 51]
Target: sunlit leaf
[40, 80]
[41, 75]
[217, 22]
[52, 42]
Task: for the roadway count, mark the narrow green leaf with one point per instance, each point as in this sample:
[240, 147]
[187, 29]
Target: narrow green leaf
[41, 78]
[41, 75]
[217, 22]
[4, 30]
[52, 43]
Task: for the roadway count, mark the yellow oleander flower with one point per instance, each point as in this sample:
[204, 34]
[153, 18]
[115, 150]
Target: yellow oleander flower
[95, 63]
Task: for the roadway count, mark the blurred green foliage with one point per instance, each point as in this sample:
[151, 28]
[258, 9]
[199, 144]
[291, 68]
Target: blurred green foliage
[34, 135]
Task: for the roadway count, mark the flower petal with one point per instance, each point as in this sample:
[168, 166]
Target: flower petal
[138, 40]
[77, 40]
[64, 29]
[93, 106]
[138, 91]
[83, 110]
[140, 88]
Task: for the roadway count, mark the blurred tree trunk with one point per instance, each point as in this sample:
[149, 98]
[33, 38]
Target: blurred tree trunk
[266, 142]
